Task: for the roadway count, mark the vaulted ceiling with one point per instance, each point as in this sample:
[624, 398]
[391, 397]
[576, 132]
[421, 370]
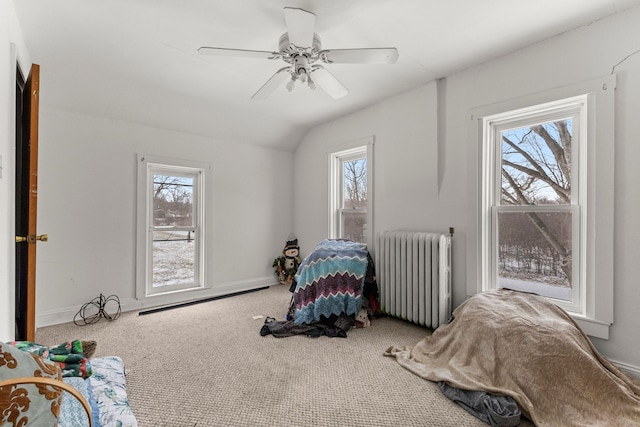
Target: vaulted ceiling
[138, 60]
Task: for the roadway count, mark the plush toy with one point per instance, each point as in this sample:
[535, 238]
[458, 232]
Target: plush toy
[362, 319]
[287, 264]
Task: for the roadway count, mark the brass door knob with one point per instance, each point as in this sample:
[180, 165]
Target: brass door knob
[32, 239]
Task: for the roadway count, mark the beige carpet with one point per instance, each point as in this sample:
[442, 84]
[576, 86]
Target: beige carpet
[207, 365]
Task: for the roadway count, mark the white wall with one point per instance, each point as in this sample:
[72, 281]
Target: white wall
[408, 193]
[404, 166]
[12, 48]
[407, 181]
[87, 206]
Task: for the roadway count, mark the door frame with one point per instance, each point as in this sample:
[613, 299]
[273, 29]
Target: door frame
[26, 192]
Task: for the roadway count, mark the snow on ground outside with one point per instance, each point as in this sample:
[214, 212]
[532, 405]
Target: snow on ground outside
[543, 289]
[173, 262]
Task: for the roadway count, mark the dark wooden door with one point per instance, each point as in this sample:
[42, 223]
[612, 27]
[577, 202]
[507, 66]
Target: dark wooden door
[26, 202]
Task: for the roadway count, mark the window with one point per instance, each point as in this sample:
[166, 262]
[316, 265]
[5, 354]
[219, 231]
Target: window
[534, 190]
[546, 198]
[350, 192]
[171, 218]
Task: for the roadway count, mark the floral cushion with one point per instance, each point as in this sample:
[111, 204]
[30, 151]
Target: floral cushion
[108, 387]
[28, 404]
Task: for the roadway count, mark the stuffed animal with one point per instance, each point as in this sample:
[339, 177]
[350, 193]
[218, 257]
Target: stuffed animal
[362, 319]
[286, 265]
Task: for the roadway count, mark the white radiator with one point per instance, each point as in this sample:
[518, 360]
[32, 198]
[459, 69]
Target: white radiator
[413, 271]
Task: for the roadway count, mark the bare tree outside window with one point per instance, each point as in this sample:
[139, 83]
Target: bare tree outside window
[173, 240]
[536, 246]
[354, 204]
[172, 200]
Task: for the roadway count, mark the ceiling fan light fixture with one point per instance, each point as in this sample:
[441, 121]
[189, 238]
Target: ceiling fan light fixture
[291, 83]
[312, 84]
[301, 67]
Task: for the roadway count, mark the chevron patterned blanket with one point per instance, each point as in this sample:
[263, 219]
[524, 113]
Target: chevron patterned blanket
[329, 281]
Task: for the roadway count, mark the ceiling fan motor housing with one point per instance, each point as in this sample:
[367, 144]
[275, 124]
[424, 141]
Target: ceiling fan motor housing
[289, 50]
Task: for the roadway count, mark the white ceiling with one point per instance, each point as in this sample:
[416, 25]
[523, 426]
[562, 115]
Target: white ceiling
[137, 60]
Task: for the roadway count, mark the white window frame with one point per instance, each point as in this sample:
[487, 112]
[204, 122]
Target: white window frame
[493, 126]
[362, 148]
[148, 166]
[592, 303]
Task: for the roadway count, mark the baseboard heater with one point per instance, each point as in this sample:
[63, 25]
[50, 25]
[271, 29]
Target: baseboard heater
[184, 304]
[413, 270]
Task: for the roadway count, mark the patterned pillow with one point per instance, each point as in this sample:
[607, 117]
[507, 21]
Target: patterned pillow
[28, 404]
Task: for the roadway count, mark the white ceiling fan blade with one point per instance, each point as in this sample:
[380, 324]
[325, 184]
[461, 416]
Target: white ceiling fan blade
[300, 26]
[222, 51]
[384, 55]
[327, 82]
[272, 84]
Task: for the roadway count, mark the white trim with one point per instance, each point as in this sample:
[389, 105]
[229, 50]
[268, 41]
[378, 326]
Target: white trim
[592, 327]
[628, 369]
[574, 109]
[335, 155]
[597, 300]
[9, 174]
[202, 213]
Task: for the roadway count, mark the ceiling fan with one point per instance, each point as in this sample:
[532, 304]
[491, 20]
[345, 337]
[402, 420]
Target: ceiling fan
[301, 49]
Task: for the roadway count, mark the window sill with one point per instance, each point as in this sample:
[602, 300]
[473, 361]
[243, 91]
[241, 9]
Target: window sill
[592, 327]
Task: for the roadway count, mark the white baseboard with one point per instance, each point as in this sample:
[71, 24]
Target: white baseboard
[65, 315]
[627, 369]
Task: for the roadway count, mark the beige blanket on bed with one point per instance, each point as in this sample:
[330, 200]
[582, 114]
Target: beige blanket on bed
[523, 346]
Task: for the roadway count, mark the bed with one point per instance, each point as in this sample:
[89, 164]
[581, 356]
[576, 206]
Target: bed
[521, 345]
[331, 281]
[105, 391]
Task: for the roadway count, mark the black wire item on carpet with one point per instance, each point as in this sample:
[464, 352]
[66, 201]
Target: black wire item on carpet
[97, 308]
